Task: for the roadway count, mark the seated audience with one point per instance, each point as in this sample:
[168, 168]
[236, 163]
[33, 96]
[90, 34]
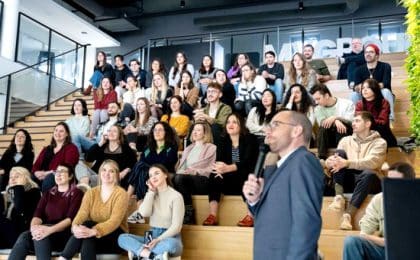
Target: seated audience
[374, 69]
[181, 64]
[101, 70]
[250, 90]
[101, 98]
[350, 61]
[19, 153]
[84, 143]
[60, 151]
[318, 65]
[158, 95]
[376, 104]
[50, 225]
[298, 99]
[79, 123]
[195, 165]
[356, 166]
[175, 117]
[215, 112]
[273, 73]
[205, 74]
[138, 73]
[21, 197]
[165, 208]
[101, 217]
[121, 74]
[130, 98]
[236, 157]
[156, 66]
[261, 115]
[300, 72]
[162, 148]
[113, 147]
[138, 130]
[370, 244]
[333, 115]
[188, 93]
[234, 73]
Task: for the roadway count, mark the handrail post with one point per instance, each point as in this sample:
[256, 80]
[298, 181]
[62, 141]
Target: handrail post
[6, 108]
[84, 67]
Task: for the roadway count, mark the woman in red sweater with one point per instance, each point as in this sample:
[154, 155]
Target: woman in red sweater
[102, 96]
[375, 103]
[61, 150]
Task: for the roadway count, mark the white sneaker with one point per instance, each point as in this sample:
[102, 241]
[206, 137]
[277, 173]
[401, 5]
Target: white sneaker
[136, 218]
[346, 222]
[338, 203]
[163, 256]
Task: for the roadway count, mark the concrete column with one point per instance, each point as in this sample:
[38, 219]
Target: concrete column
[9, 28]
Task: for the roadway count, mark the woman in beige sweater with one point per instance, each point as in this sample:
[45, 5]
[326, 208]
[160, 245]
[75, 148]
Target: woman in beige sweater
[101, 217]
[165, 207]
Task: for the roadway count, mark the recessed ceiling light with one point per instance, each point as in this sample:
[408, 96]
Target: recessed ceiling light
[83, 32]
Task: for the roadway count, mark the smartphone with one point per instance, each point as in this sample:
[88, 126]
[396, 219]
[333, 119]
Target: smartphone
[148, 237]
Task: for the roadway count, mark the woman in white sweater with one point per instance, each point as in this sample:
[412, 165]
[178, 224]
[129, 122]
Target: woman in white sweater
[249, 90]
[165, 207]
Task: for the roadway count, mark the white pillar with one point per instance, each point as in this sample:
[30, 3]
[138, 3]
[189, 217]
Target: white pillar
[9, 28]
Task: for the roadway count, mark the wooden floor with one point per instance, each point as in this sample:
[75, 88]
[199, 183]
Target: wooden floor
[228, 241]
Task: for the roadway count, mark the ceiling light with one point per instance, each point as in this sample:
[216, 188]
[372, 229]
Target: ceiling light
[300, 7]
[182, 3]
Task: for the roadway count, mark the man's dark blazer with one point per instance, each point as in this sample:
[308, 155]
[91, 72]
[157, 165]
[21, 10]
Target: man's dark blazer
[287, 216]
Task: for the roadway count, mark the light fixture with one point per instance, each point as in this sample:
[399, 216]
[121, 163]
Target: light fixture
[182, 3]
[83, 32]
[300, 7]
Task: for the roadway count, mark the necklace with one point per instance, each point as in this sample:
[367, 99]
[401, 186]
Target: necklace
[371, 72]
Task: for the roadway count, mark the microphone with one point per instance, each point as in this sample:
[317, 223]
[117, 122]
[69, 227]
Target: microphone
[259, 166]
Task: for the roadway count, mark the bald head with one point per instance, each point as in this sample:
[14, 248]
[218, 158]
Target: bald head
[302, 120]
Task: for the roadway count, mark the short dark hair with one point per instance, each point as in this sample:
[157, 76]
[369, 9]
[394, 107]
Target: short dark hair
[404, 168]
[69, 167]
[270, 52]
[366, 116]
[115, 102]
[310, 46]
[119, 56]
[84, 106]
[321, 88]
[136, 60]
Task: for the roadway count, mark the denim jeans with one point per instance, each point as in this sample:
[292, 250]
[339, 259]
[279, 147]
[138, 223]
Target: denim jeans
[83, 143]
[278, 90]
[133, 243]
[356, 96]
[356, 247]
[96, 79]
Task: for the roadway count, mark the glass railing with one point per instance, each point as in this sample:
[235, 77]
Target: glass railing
[34, 87]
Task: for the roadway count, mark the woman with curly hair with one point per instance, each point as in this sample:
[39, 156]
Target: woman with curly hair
[19, 153]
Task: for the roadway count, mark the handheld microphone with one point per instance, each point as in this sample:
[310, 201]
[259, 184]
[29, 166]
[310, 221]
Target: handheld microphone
[259, 166]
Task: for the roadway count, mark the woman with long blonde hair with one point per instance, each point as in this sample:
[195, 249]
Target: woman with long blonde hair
[159, 94]
[300, 73]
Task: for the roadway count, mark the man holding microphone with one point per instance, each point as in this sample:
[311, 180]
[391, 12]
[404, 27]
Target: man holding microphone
[287, 202]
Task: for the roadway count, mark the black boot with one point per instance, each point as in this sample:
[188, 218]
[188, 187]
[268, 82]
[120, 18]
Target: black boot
[189, 217]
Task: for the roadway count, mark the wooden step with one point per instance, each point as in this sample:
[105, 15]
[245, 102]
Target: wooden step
[220, 242]
[31, 130]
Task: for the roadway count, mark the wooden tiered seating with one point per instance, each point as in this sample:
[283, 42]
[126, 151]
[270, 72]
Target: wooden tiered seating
[227, 241]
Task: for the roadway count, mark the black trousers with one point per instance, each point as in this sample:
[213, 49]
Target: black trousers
[189, 185]
[25, 245]
[329, 138]
[230, 184]
[89, 247]
[362, 183]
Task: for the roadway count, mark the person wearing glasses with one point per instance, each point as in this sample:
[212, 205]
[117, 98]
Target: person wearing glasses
[50, 225]
[289, 197]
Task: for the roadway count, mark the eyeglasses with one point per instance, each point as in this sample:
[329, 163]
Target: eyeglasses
[212, 91]
[61, 171]
[274, 124]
